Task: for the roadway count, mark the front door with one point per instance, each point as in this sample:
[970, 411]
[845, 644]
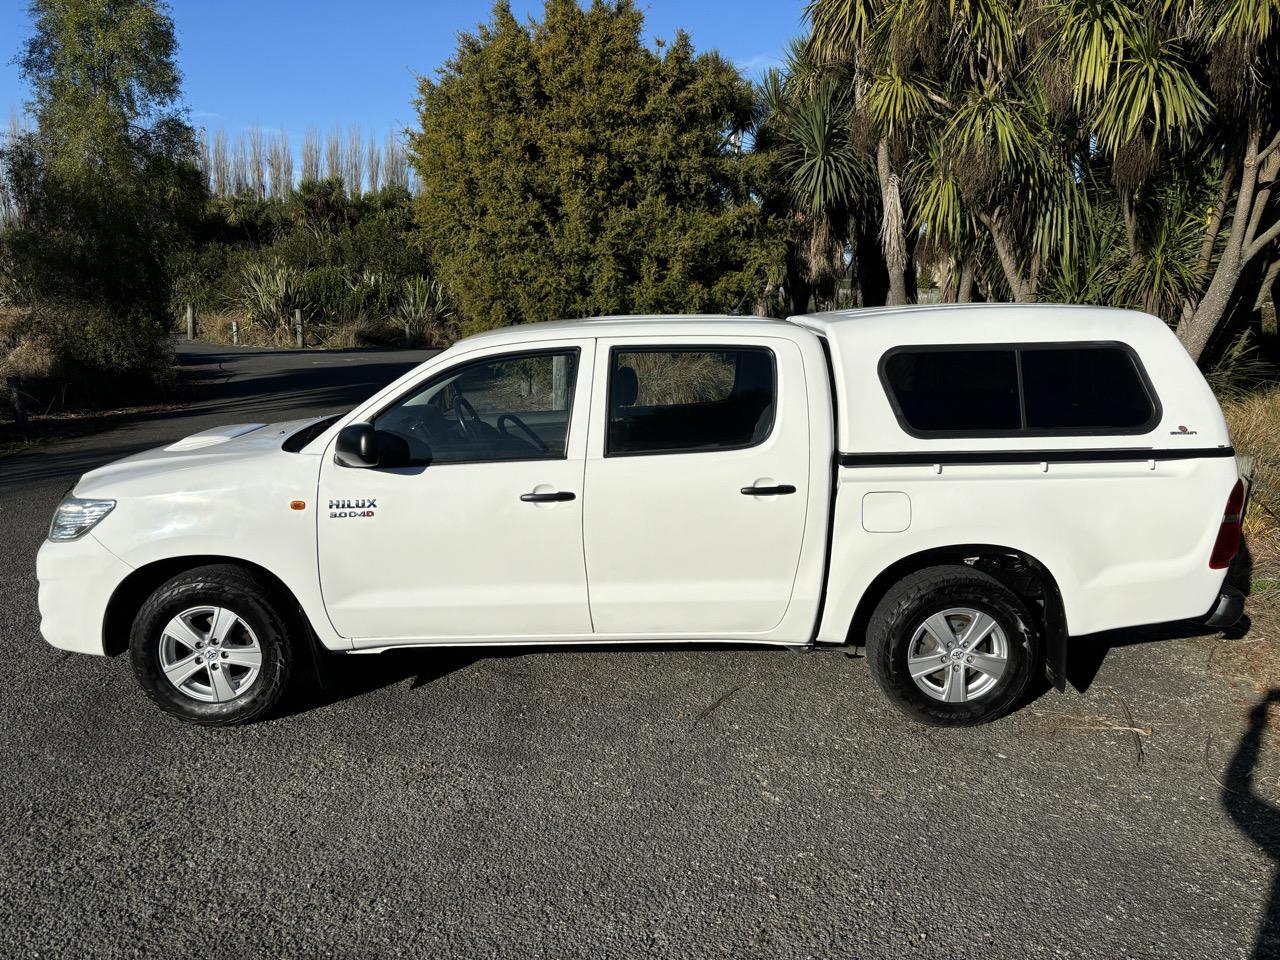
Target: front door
[481, 536]
[697, 486]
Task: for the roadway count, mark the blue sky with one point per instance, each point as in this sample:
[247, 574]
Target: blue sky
[294, 64]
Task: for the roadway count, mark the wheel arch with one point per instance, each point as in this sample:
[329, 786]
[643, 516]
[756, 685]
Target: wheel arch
[1019, 570]
[132, 592]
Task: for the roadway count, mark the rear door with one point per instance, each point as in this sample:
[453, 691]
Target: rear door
[697, 485]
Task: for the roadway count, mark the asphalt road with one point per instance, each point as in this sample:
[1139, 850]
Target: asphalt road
[613, 803]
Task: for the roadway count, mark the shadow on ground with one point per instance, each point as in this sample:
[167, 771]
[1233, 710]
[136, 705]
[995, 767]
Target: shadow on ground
[1256, 817]
[332, 678]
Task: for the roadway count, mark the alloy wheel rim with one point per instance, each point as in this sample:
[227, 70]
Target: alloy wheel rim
[958, 655]
[210, 654]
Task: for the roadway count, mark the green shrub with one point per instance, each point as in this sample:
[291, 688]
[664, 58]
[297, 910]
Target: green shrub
[270, 294]
[73, 355]
[426, 313]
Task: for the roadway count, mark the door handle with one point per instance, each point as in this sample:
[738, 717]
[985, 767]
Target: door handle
[779, 490]
[559, 496]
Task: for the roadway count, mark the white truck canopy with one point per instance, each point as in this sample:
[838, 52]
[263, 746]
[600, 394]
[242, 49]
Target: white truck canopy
[859, 339]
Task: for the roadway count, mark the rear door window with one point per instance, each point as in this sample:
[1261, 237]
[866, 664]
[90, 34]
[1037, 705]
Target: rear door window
[689, 399]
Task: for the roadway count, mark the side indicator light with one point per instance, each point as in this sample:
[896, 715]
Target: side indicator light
[297, 504]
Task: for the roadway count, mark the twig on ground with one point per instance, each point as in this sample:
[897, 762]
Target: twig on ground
[715, 706]
[1094, 722]
[1128, 715]
[1208, 743]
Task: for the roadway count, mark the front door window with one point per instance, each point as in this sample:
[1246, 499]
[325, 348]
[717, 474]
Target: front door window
[514, 407]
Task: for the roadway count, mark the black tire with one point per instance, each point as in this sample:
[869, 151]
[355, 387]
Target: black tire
[906, 606]
[236, 589]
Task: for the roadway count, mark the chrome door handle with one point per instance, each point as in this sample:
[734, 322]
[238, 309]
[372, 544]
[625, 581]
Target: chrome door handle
[558, 496]
[780, 490]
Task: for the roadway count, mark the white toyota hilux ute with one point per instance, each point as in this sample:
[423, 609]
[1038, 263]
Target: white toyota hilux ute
[963, 489]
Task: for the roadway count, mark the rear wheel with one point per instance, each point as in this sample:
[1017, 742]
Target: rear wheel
[210, 647]
[951, 645]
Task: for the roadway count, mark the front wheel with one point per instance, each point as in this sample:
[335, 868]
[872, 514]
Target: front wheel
[210, 647]
[951, 645]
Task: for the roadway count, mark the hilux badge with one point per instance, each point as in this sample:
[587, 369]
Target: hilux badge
[339, 509]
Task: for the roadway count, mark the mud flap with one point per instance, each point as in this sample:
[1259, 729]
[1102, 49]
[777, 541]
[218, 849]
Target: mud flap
[1055, 641]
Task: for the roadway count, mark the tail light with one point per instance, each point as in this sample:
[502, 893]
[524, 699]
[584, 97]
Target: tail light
[1228, 542]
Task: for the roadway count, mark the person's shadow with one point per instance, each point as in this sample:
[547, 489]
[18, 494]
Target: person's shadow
[1257, 818]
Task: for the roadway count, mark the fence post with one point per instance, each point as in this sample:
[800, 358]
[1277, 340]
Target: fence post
[15, 398]
[297, 326]
[235, 333]
[559, 382]
[191, 321]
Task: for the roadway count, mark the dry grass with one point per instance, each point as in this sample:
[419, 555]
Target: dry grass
[1254, 422]
[22, 354]
[361, 332]
[667, 378]
[1253, 661]
[216, 328]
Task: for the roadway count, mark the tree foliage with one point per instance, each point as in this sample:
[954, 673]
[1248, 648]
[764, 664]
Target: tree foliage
[565, 169]
[105, 184]
[1033, 141]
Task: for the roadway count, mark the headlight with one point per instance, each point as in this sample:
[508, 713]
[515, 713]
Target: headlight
[75, 517]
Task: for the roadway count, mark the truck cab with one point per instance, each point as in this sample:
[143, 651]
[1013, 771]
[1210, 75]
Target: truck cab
[961, 489]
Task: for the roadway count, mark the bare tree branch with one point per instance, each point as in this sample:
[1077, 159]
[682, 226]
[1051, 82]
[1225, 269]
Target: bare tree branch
[1260, 244]
[1270, 147]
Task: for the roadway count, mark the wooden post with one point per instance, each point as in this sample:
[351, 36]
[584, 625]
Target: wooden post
[297, 326]
[560, 382]
[15, 398]
[191, 321]
[235, 333]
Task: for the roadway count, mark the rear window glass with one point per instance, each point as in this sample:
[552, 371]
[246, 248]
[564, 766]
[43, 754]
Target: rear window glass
[1083, 388]
[956, 390]
[1025, 389]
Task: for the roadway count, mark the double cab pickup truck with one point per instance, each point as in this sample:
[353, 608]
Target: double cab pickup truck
[961, 489]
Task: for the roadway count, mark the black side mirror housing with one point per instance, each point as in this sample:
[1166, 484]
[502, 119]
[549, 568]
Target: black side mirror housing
[361, 446]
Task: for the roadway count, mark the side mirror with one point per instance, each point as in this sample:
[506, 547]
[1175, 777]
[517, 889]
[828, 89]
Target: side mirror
[359, 445]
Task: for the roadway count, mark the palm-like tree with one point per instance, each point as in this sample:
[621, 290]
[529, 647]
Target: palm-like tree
[1027, 125]
[880, 45]
[1168, 75]
[804, 127]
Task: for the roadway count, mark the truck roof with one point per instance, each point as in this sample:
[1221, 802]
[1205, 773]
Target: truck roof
[923, 323]
[974, 322]
[639, 325]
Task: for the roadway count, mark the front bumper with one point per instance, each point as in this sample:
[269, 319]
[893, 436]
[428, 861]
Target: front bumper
[77, 580]
[1226, 610]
